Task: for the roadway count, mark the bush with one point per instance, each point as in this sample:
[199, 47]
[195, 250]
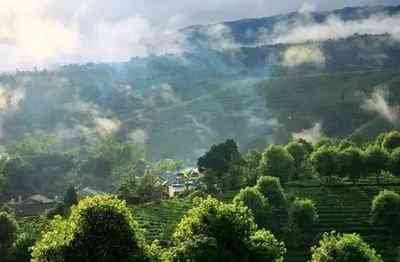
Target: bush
[391, 141]
[214, 231]
[256, 202]
[277, 162]
[8, 234]
[343, 248]
[100, 228]
[302, 214]
[385, 210]
[23, 246]
[271, 188]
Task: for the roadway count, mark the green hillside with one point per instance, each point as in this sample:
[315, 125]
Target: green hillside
[341, 208]
[336, 100]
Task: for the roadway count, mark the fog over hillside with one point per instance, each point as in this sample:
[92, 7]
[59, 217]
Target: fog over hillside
[176, 91]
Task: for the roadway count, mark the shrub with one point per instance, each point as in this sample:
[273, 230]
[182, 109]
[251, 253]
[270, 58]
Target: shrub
[256, 202]
[343, 248]
[100, 228]
[385, 210]
[8, 234]
[302, 214]
[277, 162]
[391, 141]
[271, 188]
[214, 231]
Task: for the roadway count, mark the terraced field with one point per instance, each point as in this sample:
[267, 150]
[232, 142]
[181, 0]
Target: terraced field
[158, 219]
[345, 210]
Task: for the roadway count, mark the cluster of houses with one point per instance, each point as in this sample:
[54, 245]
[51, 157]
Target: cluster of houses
[176, 182]
[38, 204]
[180, 181]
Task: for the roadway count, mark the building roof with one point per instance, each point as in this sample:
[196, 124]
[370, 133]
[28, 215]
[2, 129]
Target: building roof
[41, 199]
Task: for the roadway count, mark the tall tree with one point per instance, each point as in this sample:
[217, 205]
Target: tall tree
[277, 162]
[377, 160]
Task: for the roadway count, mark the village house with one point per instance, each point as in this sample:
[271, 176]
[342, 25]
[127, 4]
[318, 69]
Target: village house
[183, 180]
[32, 206]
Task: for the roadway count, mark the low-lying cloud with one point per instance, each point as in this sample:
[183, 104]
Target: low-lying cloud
[378, 103]
[298, 55]
[312, 135]
[334, 28]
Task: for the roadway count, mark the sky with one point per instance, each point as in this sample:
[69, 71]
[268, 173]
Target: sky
[45, 33]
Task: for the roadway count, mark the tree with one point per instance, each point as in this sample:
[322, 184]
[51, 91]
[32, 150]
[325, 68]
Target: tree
[299, 154]
[377, 160]
[70, 197]
[326, 162]
[385, 210]
[353, 163]
[250, 167]
[395, 162]
[8, 234]
[256, 202]
[277, 162]
[218, 162]
[302, 214]
[219, 157]
[391, 141]
[99, 229]
[214, 231]
[343, 248]
[272, 190]
[149, 188]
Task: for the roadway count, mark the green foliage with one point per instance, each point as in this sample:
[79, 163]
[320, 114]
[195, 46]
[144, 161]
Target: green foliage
[302, 214]
[8, 234]
[103, 161]
[277, 162]
[250, 170]
[217, 166]
[220, 157]
[377, 160]
[99, 229]
[326, 161]
[299, 152]
[385, 210]
[149, 188]
[257, 203]
[353, 163]
[214, 231]
[272, 190]
[70, 197]
[395, 162]
[391, 141]
[22, 247]
[343, 248]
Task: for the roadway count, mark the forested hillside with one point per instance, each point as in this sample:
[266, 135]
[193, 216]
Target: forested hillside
[215, 89]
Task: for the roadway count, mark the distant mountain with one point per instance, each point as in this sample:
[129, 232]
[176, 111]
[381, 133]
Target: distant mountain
[233, 79]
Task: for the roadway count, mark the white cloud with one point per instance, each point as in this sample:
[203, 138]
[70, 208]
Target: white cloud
[335, 28]
[312, 135]
[378, 103]
[297, 55]
[50, 32]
